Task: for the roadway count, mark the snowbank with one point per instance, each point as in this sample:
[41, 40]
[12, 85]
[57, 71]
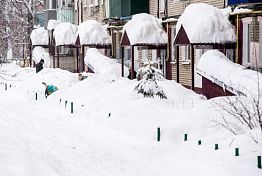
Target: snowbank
[40, 53]
[39, 36]
[65, 34]
[92, 32]
[205, 23]
[215, 66]
[145, 29]
[103, 65]
[52, 24]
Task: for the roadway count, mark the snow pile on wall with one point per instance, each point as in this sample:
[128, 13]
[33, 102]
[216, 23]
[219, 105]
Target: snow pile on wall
[103, 65]
[145, 28]
[92, 32]
[205, 23]
[39, 36]
[65, 34]
[52, 24]
[215, 66]
[40, 53]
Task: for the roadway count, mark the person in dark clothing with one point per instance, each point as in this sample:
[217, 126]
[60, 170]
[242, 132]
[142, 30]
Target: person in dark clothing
[129, 75]
[39, 66]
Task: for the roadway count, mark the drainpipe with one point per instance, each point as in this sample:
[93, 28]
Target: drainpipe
[237, 49]
[157, 8]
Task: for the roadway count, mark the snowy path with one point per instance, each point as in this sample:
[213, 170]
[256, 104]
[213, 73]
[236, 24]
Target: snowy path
[39, 138]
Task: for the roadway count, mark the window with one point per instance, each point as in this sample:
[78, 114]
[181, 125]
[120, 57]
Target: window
[174, 48]
[162, 6]
[185, 54]
[144, 55]
[246, 41]
[106, 9]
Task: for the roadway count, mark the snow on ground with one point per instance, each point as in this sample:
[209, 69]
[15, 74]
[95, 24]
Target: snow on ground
[112, 130]
[205, 23]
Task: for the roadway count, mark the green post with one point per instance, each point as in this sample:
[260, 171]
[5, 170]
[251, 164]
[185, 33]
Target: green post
[5, 86]
[10, 85]
[236, 151]
[185, 137]
[65, 104]
[199, 142]
[216, 146]
[36, 96]
[109, 115]
[259, 162]
[158, 134]
[60, 101]
[72, 108]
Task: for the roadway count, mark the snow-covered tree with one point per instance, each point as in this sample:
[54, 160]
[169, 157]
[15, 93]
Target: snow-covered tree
[16, 24]
[148, 84]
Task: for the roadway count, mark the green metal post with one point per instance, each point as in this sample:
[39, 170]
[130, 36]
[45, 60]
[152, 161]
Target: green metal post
[259, 162]
[199, 142]
[72, 108]
[65, 104]
[109, 115]
[60, 101]
[36, 96]
[185, 137]
[5, 86]
[158, 134]
[236, 151]
[216, 146]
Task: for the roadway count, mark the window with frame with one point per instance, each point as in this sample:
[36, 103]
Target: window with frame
[185, 53]
[246, 41]
[174, 48]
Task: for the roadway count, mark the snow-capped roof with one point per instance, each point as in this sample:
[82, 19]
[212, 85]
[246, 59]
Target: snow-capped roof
[103, 65]
[204, 23]
[215, 66]
[65, 34]
[91, 32]
[40, 53]
[52, 24]
[145, 29]
[39, 36]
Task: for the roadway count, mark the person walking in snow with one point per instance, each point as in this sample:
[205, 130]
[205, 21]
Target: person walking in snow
[39, 66]
[49, 89]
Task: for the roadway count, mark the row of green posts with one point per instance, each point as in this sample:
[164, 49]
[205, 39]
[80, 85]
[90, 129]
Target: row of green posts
[259, 165]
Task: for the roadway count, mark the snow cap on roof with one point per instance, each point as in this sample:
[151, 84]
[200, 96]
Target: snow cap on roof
[92, 32]
[205, 23]
[39, 36]
[145, 29]
[65, 34]
[214, 65]
[52, 24]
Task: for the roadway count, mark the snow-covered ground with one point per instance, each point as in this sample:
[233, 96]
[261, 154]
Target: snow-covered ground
[113, 130]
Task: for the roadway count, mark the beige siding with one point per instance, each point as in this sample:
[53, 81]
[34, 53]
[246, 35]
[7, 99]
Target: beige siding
[180, 6]
[153, 7]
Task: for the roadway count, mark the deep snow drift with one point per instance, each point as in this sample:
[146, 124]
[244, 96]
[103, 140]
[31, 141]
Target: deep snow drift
[112, 130]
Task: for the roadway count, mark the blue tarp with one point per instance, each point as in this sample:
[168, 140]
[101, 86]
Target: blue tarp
[235, 2]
